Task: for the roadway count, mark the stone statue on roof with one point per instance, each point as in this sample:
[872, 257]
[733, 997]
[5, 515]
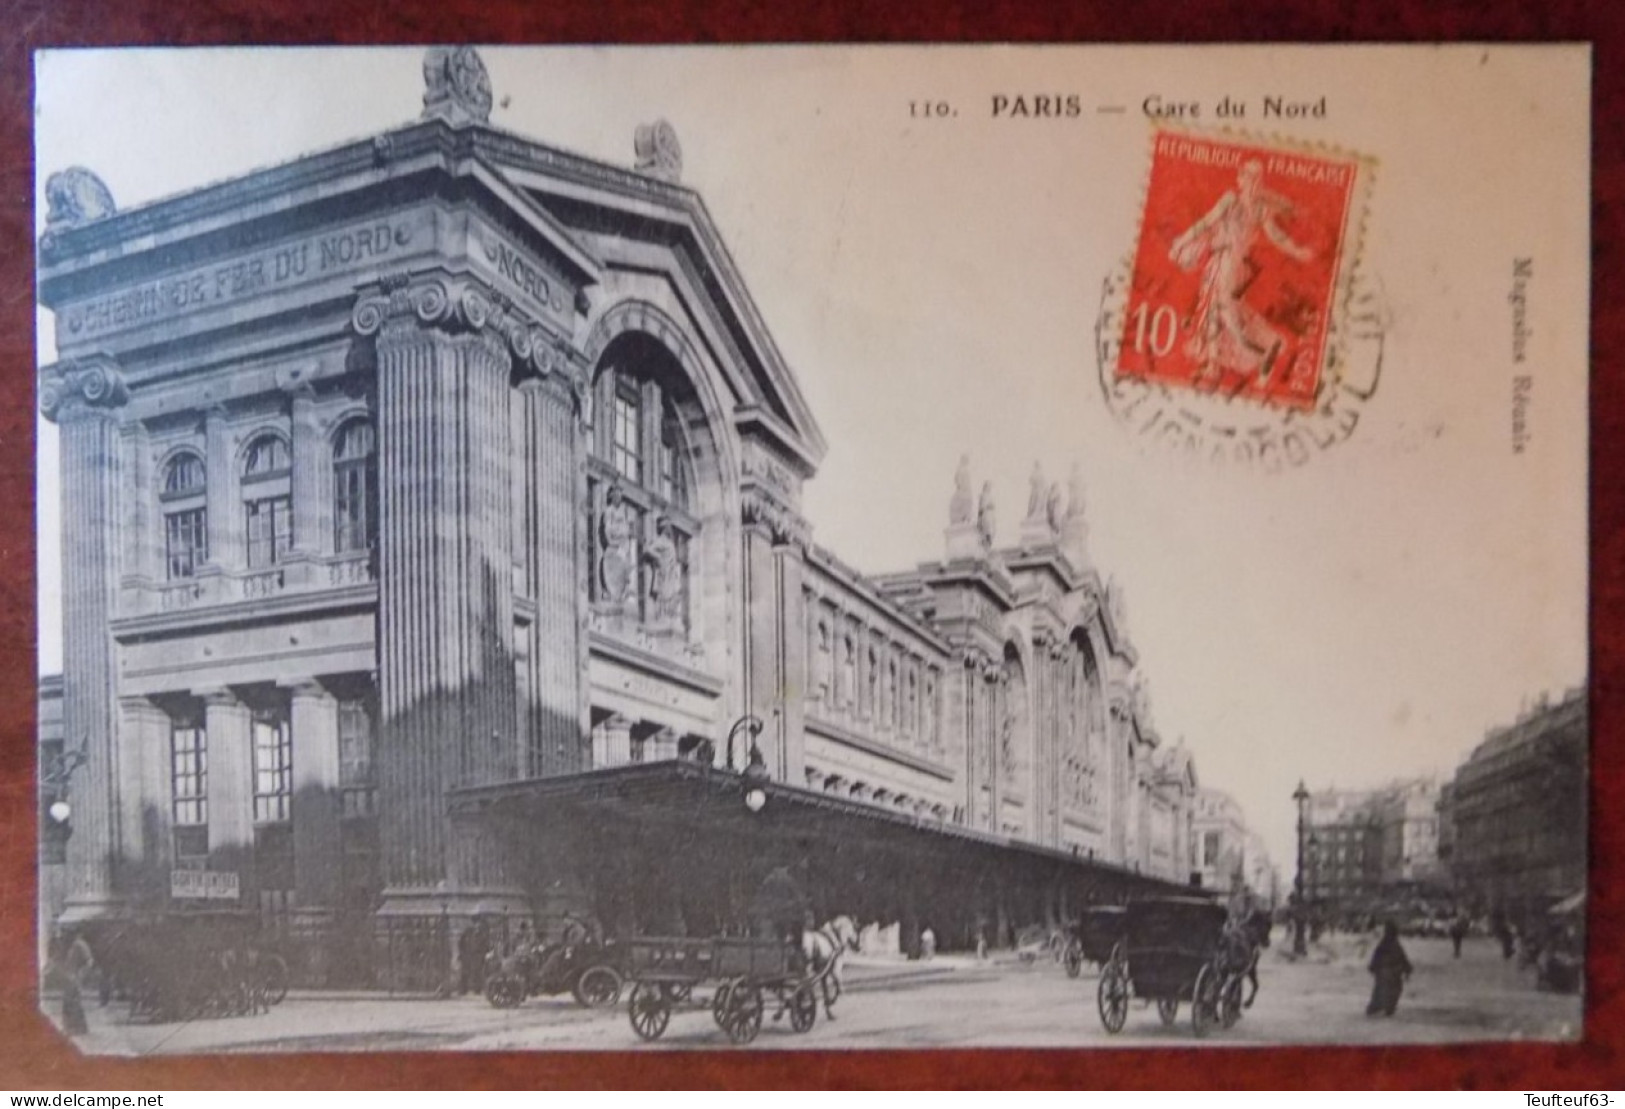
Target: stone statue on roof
[457, 87]
[962, 507]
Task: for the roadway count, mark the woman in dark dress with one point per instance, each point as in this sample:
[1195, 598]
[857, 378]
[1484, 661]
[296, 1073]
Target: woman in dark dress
[1390, 967]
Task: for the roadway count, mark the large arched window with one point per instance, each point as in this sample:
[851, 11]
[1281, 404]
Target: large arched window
[268, 500]
[641, 486]
[186, 519]
[355, 487]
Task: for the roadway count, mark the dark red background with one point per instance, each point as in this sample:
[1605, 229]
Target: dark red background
[32, 1056]
[1183, 191]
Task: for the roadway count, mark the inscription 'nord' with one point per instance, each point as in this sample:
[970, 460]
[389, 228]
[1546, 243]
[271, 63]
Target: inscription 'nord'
[515, 268]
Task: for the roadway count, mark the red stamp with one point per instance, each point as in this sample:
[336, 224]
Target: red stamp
[1242, 251]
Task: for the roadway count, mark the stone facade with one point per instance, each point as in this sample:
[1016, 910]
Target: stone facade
[445, 459]
[1513, 818]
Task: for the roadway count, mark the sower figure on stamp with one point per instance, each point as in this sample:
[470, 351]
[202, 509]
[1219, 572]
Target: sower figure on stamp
[1390, 966]
[1230, 333]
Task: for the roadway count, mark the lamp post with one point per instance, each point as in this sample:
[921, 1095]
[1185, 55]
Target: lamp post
[54, 780]
[1299, 946]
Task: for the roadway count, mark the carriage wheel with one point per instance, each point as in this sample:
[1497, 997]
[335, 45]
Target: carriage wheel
[803, 1009]
[1230, 1001]
[719, 1005]
[1074, 959]
[744, 1014]
[504, 991]
[1168, 1010]
[648, 1010]
[598, 987]
[273, 979]
[1118, 955]
[1112, 996]
[1205, 1001]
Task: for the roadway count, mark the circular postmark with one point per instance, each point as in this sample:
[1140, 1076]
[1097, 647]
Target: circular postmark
[1222, 426]
[1239, 328]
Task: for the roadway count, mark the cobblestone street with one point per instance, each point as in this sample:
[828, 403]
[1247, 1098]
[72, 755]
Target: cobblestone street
[950, 1002]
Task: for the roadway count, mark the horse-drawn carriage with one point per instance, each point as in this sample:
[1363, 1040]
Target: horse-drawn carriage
[1174, 950]
[1094, 938]
[741, 975]
[190, 964]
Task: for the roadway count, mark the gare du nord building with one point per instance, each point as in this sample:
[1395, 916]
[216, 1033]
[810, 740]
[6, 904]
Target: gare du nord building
[433, 548]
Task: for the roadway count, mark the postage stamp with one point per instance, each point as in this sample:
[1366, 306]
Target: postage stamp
[1240, 303]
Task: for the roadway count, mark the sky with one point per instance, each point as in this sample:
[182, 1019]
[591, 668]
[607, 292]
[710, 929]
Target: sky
[933, 278]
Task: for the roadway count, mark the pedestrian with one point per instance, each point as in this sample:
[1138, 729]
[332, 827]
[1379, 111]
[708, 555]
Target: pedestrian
[472, 948]
[1503, 932]
[1458, 932]
[76, 964]
[1390, 967]
[928, 942]
[981, 940]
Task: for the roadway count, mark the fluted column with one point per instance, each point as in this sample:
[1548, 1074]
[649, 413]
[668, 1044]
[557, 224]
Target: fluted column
[85, 398]
[776, 625]
[552, 453]
[445, 621]
[314, 718]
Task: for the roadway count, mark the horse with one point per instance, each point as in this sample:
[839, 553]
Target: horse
[823, 948]
[1253, 931]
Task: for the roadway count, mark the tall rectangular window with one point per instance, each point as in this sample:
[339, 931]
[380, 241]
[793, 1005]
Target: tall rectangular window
[352, 507]
[186, 541]
[270, 531]
[626, 441]
[356, 781]
[189, 791]
[273, 769]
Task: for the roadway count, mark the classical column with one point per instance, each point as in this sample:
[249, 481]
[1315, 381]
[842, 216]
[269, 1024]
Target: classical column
[84, 398]
[225, 507]
[612, 742]
[317, 803]
[776, 628]
[312, 470]
[230, 783]
[445, 612]
[140, 546]
[144, 794]
[994, 708]
[550, 534]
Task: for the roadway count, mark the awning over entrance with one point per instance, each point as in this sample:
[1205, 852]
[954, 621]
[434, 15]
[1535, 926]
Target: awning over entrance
[643, 838]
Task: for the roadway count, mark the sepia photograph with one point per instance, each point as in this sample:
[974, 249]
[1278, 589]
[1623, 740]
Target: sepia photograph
[803, 548]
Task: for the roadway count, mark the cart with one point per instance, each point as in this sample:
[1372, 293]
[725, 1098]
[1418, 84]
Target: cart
[667, 973]
[1173, 951]
[1094, 938]
[187, 964]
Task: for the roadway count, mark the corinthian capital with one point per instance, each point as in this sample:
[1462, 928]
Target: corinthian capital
[782, 524]
[79, 386]
[461, 304]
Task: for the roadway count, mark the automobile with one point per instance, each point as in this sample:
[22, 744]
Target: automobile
[583, 965]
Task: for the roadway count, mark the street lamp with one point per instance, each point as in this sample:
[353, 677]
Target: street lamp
[755, 772]
[747, 722]
[1299, 945]
[55, 777]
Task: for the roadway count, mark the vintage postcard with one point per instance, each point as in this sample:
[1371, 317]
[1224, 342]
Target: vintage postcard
[812, 547]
